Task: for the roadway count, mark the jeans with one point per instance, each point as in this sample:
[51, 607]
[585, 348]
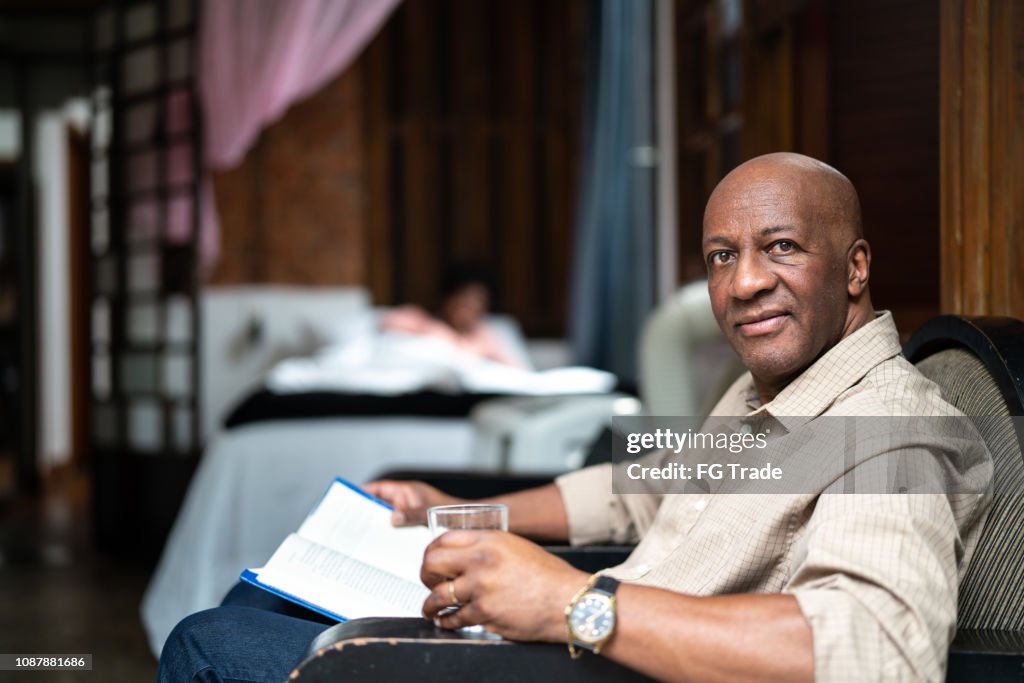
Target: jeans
[252, 637]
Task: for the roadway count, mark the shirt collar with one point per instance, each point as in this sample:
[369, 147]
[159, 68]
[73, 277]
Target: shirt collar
[842, 366]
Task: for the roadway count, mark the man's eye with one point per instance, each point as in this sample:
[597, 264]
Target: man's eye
[719, 258]
[783, 247]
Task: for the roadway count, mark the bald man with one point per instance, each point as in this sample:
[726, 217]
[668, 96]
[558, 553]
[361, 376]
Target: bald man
[727, 587]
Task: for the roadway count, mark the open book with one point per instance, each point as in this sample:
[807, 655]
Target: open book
[346, 561]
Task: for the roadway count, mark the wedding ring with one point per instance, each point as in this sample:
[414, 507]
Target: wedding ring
[451, 592]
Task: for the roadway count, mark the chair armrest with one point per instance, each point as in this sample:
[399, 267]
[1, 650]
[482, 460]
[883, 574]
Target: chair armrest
[470, 484]
[541, 434]
[591, 558]
[401, 649]
[991, 656]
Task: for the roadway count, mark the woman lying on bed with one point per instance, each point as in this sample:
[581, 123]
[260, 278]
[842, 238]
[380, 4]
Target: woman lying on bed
[461, 320]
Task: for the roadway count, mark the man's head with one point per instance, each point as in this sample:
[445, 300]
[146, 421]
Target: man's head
[787, 264]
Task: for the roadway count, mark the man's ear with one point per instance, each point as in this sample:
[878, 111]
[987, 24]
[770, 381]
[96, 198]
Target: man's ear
[859, 264]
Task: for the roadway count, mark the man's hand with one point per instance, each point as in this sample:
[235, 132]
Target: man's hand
[411, 499]
[504, 582]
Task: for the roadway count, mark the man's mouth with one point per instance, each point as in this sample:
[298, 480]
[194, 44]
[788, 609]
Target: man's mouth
[761, 324]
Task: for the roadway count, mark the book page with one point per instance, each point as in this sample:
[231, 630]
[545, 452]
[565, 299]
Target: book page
[340, 584]
[348, 521]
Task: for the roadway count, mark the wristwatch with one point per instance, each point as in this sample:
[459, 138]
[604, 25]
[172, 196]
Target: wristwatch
[590, 615]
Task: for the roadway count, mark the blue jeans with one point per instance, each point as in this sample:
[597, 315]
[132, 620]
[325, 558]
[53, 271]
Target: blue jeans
[253, 637]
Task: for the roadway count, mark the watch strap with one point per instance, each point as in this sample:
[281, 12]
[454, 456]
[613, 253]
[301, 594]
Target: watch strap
[606, 584]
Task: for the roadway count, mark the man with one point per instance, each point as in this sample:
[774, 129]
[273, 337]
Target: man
[730, 587]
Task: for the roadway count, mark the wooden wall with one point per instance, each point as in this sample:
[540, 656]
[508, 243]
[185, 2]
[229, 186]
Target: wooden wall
[473, 114]
[982, 115]
[453, 139]
[294, 211]
[852, 82]
[884, 135]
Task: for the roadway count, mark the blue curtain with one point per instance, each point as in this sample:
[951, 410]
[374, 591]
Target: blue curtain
[613, 285]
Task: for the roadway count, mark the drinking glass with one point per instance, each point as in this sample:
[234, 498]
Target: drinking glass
[444, 518]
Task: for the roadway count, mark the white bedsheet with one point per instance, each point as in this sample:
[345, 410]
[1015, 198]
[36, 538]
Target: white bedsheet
[255, 485]
[390, 363]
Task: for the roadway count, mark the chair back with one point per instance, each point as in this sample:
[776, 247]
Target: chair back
[685, 363]
[979, 365]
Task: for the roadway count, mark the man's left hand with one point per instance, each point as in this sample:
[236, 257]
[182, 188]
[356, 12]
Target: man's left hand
[509, 585]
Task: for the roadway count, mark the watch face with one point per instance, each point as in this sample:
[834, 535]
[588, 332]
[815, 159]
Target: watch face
[592, 618]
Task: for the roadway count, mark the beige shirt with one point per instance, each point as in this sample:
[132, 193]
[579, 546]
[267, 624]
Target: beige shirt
[875, 575]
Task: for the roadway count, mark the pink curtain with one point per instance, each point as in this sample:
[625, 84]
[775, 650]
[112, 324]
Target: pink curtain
[257, 57]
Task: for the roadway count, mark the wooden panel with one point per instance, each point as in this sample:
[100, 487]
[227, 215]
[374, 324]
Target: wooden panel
[1012, 177]
[768, 92]
[976, 145]
[811, 81]
[554, 240]
[468, 131]
[1000, 170]
[517, 257]
[982, 114]
[421, 80]
[950, 134]
[884, 95]
[483, 156]
[379, 240]
[698, 169]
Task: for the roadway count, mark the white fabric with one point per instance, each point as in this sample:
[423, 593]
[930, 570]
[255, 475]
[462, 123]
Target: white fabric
[256, 484]
[362, 359]
[394, 364]
[385, 363]
[502, 379]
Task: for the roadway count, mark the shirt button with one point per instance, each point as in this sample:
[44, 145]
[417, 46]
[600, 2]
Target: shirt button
[745, 428]
[700, 505]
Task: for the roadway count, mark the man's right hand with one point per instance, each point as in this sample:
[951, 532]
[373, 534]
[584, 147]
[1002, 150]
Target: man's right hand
[411, 499]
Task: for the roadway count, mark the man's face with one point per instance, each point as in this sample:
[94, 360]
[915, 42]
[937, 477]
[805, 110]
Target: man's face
[776, 275]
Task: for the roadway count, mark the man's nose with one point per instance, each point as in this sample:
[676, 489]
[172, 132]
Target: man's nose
[751, 277]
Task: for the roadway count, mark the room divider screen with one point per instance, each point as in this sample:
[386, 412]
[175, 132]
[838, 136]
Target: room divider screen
[144, 282]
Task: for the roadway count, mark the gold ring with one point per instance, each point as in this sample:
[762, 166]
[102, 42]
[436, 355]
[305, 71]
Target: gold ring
[451, 592]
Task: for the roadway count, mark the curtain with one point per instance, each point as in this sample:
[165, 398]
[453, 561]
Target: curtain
[613, 285]
[257, 57]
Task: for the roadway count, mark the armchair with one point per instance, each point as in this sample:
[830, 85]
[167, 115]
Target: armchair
[979, 363]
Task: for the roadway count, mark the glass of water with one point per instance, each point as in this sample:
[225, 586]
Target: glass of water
[444, 518]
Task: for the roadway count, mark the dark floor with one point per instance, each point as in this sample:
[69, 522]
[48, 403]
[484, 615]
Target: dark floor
[59, 596]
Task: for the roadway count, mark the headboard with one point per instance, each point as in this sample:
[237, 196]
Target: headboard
[246, 329]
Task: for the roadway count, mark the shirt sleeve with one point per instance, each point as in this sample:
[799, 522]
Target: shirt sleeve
[597, 515]
[876, 579]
